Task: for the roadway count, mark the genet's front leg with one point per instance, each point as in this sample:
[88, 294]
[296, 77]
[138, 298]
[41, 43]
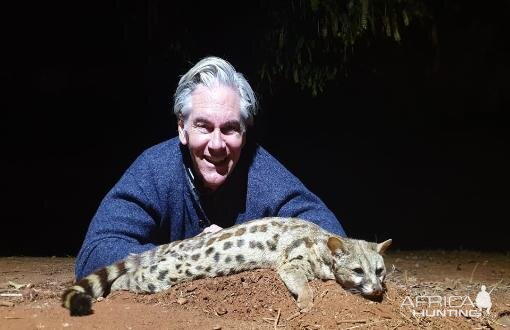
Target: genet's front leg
[296, 281]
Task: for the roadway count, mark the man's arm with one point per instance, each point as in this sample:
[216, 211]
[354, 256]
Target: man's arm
[282, 194]
[301, 203]
[125, 222]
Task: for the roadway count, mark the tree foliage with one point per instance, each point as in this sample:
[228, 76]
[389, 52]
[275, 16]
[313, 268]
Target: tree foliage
[312, 41]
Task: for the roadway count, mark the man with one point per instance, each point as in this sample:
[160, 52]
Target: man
[209, 177]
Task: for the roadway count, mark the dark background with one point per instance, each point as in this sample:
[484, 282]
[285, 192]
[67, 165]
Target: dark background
[410, 145]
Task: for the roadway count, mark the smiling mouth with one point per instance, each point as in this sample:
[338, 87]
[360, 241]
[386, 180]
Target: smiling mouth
[217, 162]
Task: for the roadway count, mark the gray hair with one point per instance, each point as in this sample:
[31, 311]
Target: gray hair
[209, 72]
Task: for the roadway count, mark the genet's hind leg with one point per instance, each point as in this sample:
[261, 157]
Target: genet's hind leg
[296, 281]
[139, 282]
[147, 280]
[121, 283]
[150, 276]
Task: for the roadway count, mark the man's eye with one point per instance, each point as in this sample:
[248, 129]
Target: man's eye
[202, 127]
[231, 129]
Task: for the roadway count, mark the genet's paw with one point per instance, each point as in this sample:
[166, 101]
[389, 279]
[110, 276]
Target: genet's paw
[305, 300]
[305, 307]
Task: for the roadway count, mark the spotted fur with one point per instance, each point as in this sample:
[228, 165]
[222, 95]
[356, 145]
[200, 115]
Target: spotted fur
[298, 250]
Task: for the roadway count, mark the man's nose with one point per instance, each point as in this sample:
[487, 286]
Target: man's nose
[216, 141]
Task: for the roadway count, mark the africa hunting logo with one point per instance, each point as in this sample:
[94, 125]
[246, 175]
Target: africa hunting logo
[436, 306]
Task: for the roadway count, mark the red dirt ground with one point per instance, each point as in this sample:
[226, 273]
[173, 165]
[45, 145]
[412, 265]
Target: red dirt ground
[259, 300]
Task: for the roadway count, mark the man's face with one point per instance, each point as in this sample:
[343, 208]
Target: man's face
[213, 133]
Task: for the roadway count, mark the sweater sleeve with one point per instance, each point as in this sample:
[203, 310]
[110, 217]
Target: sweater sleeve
[282, 194]
[125, 222]
[299, 202]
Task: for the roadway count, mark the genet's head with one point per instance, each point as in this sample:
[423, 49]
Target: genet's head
[359, 266]
[214, 105]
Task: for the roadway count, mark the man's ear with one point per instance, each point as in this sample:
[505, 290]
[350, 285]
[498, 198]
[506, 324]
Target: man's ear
[381, 247]
[335, 244]
[182, 133]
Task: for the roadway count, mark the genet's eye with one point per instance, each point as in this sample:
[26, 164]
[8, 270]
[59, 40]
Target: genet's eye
[379, 271]
[359, 271]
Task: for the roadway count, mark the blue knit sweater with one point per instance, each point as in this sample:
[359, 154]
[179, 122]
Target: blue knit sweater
[155, 202]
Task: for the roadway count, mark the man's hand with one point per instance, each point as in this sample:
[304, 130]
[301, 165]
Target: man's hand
[212, 229]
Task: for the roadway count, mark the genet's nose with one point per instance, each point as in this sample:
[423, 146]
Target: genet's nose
[377, 290]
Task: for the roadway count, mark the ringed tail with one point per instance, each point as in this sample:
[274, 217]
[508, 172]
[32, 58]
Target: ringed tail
[78, 298]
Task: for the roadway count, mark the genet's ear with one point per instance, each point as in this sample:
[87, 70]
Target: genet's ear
[381, 247]
[182, 133]
[335, 244]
